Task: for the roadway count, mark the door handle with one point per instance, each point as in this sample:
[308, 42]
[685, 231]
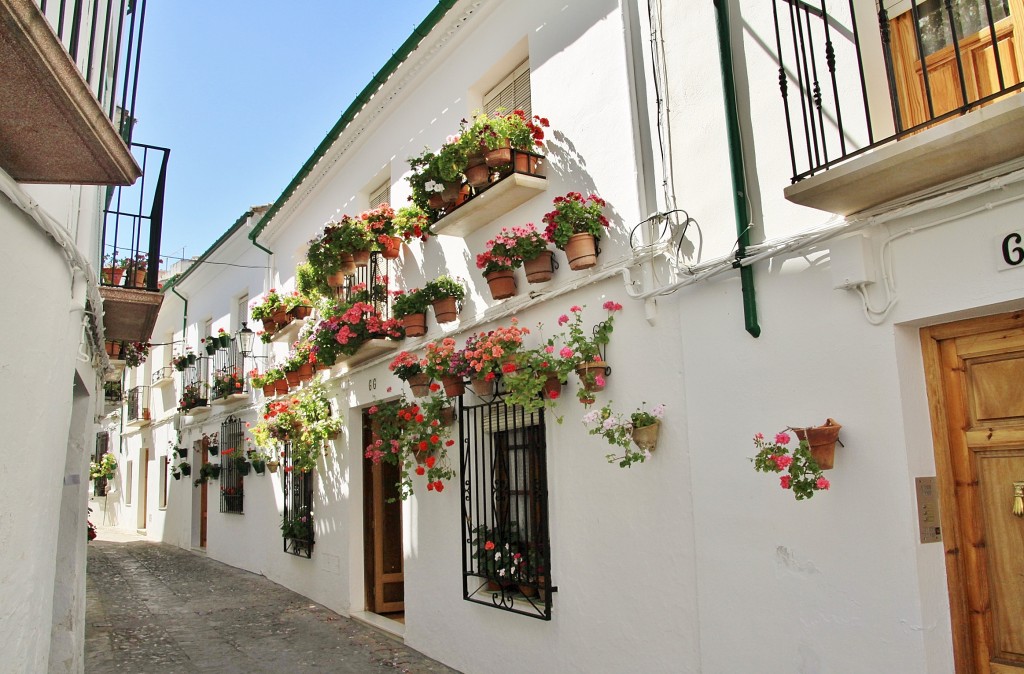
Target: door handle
[1018, 499]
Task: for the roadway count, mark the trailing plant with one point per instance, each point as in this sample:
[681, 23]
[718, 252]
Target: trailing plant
[268, 307]
[135, 353]
[304, 420]
[575, 214]
[296, 299]
[311, 283]
[346, 327]
[617, 429]
[412, 222]
[298, 524]
[802, 474]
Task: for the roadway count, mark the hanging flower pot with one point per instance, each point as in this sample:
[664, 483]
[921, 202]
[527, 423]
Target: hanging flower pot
[361, 258]
[185, 469]
[176, 475]
[822, 442]
[243, 467]
[272, 466]
[482, 386]
[415, 325]
[292, 377]
[540, 268]
[269, 389]
[336, 280]
[646, 437]
[552, 387]
[211, 346]
[281, 317]
[191, 358]
[281, 386]
[305, 372]
[259, 465]
[592, 375]
[502, 283]
[269, 326]
[392, 248]
[478, 175]
[450, 193]
[501, 156]
[301, 311]
[453, 385]
[213, 449]
[446, 310]
[581, 251]
[420, 384]
[348, 264]
[215, 470]
[447, 416]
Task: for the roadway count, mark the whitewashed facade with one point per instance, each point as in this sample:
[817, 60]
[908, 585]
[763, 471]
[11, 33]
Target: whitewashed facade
[690, 561]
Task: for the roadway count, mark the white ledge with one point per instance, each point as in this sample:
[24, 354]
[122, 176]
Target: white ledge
[511, 191]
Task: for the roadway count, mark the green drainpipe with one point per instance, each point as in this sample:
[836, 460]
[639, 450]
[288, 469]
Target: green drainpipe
[738, 169]
[260, 246]
[184, 314]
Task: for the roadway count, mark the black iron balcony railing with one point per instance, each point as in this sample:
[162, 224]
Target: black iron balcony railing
[137, 401]
[104, 38]
[229, 372]
[848, 87]
[133, 224]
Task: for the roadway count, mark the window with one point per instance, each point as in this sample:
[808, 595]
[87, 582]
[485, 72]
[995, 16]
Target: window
[512, 93]
[99, 485]
[164, 467]
[129, 473]
[232, 472]
[381, 195]
[243, 312]
[298, 509]
[506, 555]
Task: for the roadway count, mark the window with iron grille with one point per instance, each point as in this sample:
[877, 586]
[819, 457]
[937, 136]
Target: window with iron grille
[195, 385]
[506, 557]
[373, 279]
[512, 93]
[228, 372]
[381, 195]
[297, 523]
[233, 466]
[99, 485]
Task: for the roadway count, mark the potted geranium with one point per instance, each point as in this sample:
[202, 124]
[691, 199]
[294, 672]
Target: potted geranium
[298, 305]
[409, 369]
[275, 377]
[380, 222]
[411, 222]
[345, 327]
[588, 349]
[135, 353]
[621, 430]
[445, 293]
[499, 264]
[267, 309]
[410, 307]
[531, 247]
[211, 344]
[489, 354]
[802, 473]
[575, 226]
[447, 364]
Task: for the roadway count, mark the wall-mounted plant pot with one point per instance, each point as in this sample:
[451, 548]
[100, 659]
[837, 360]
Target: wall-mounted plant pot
[225, 340]
[552, 387]
[453, 385]
[213, 449]
[301, 311]
[420, 384]
[243, 467]
[446, 310]
[186, 470]
[502, 284]
[281, 317]
[501, 156]
[415, 325]
[589, 373]
[392, 248]
[822, 442]
[361, 258]
[348, 264]
[269, 390]
[305, 372]
[540, 268]
[259, 466]
[581, 250]
[269, 326]
[272, 466]
[646, 437]
[191, 358]
[281, 386]
[211, 347]
[482, 387]
[478, 175]
[292, 377]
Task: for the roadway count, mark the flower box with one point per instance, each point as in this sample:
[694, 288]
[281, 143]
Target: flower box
[501, 197]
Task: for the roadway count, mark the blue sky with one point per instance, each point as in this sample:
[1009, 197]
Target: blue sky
[243, 92]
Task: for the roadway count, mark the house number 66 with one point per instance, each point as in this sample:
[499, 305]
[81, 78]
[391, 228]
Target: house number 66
[372, 384]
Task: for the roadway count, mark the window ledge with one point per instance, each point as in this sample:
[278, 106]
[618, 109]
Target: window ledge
[980, 140]
[231, 399]
[511, 191]
[163, 381]
[368, 351]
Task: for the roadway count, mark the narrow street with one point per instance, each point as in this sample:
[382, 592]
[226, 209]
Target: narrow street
[157, 608]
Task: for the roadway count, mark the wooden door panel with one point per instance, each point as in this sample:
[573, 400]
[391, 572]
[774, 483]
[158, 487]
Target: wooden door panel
[976, 383]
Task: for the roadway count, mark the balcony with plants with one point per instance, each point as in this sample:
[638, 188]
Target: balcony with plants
[879, 106]
[137, 410]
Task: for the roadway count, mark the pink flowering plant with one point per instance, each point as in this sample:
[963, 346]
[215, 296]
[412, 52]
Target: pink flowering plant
[443, 359]
[801, 472]
[529, 243]
[346, 327]
[617, 429]
[406, 365]
[491, 353]
[575, 214]
[499, 256]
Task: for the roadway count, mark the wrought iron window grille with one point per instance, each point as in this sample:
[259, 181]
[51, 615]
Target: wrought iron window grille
[137, 402]
[229, 372]
[364, 280]
[99, 485]
[827, 123]
[297, 521]
[506, 553]
[195, 385]
[233, 467]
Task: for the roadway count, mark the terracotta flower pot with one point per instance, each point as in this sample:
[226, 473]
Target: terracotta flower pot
[361, 258]
[415, 325]
[646, 437]
[292, 377]
[581, 251]
[269, 326]
[478, 176]
[269, 389]
[446, 310]
[420, 384]
[450, 193]
[501, 156]
[281, 317]
[527, 163]
[272, 466]
[435, 201]
[305, 372]
[348, 264]
[822, 442]
[113, 349]
[453, 385]
[447, 416]
[301, 311]
[112, 275]
[392, 248]
[588, 373]
[281, 386]
[502, 283]
[336, 280]
[481, 386]
[540, 268]
[552, 387]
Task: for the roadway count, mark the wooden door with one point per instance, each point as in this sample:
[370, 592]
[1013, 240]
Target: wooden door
[383, 550]
[975, 374]
[977, 56]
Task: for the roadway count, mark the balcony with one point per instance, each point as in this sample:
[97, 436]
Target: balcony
[53, 126]
[137, 402]
[132, 228]
[870, 121]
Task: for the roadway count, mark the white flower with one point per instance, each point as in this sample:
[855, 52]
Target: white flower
[590, 417]
[658, 411]
[429, 185]
[501, 572]
[610, 423]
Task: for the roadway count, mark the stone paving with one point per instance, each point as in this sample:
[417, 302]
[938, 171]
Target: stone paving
[156, 608]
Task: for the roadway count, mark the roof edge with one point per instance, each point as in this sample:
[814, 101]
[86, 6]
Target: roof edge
[175, 280]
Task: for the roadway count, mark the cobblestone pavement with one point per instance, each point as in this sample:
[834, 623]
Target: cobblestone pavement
[157, 608]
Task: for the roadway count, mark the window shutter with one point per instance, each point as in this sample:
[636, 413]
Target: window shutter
[512, 93]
